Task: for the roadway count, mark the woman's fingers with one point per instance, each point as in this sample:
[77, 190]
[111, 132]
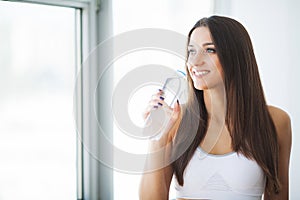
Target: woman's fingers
[172, 114]
[176, 110]
[157, 101]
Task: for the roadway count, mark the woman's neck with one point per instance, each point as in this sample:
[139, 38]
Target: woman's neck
[215, 102]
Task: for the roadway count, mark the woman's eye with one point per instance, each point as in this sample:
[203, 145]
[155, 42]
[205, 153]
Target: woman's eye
[191, 51]
[210, 50]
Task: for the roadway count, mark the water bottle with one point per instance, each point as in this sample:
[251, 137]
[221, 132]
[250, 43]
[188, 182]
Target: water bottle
[174, 88]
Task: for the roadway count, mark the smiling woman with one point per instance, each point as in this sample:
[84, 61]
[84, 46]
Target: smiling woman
[38, 138]
[236, 146]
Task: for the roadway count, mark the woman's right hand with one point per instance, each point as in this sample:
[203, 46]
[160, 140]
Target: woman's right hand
[157, 102]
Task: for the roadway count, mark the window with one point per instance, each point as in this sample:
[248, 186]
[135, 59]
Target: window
[38, 68]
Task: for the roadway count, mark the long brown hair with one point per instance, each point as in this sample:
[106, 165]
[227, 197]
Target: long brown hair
[248, 120]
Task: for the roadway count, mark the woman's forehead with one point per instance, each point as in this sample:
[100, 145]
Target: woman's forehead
[200, 36]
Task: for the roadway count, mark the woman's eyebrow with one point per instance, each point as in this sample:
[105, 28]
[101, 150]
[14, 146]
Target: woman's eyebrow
[204, 44]
[207, 43]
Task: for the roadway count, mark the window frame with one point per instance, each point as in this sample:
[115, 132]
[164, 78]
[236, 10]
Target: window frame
[86, 41]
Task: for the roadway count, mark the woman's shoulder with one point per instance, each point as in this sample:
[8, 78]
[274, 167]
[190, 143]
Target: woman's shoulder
[279, 116]
[281, 121]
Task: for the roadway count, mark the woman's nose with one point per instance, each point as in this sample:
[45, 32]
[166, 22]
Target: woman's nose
[197, 60]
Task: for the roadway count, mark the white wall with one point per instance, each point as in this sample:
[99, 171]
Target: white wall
[274, 28]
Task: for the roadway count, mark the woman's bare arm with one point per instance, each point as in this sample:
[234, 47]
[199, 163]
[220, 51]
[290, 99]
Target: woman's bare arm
[156, 185]
[284, 133]
[156, 180]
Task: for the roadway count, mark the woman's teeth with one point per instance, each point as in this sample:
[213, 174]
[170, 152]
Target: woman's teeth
[200, 73]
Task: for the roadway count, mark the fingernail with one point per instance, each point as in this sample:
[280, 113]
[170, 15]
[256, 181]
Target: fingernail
[160, 90]
[155, 106]
[177, 101]
[162, 98]
[160, 104]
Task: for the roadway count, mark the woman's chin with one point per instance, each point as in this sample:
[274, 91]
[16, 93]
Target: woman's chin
[200, 86]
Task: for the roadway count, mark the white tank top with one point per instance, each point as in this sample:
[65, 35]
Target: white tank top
[221, 177]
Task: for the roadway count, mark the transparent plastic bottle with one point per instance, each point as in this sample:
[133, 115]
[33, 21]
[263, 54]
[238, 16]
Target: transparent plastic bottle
[174, 88]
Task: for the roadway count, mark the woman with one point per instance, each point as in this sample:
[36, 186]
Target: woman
[240, 148]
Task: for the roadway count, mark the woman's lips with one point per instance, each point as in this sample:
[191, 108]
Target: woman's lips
[200, 73]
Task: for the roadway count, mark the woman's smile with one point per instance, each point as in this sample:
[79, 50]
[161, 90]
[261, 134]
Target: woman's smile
[200, 73]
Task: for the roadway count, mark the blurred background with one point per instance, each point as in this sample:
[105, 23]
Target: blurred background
[45, 106]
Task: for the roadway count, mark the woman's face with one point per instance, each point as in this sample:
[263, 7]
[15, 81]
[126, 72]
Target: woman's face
[203, 63]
